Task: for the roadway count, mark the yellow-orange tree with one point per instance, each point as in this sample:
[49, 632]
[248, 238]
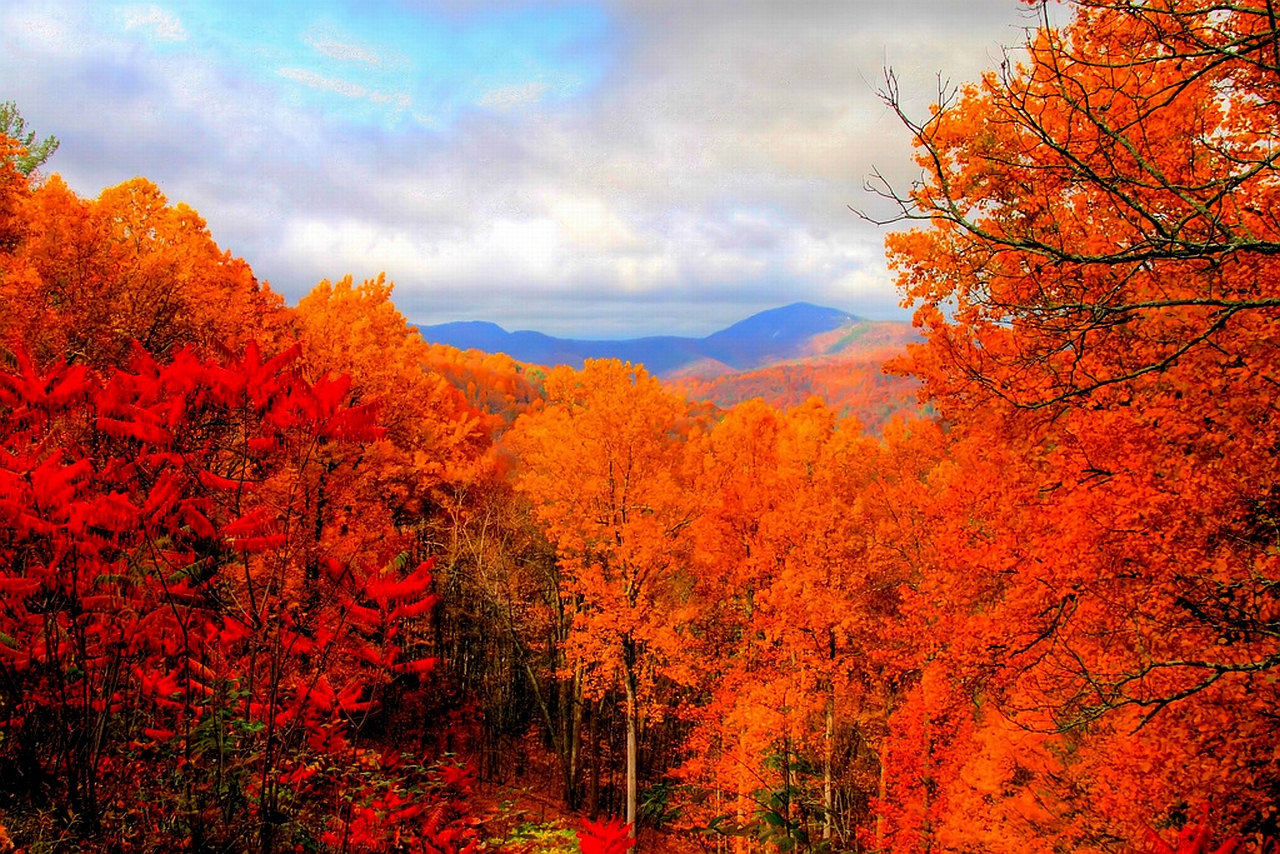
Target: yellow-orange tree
[432, 435]
[85, 279]
[1098, 281]
[603, 463]
[797, 609]
[13, 189]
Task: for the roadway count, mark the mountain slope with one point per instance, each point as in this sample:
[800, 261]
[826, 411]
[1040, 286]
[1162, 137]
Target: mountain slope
[774, 335]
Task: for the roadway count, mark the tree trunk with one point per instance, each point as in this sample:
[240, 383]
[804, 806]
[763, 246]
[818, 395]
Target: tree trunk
[574, 746]
[593, 788]
[633, 714]
[827, 805]
[632, 751]
[743, 793]
[882, 791]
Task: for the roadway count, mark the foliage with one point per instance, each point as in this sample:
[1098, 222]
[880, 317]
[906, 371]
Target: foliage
[1194, 839]
[854, 385]
[540, 839]
[84, 280]
[1045, 619]
[164, 603]
[1095, 280]
[612, 837]
[31, 154]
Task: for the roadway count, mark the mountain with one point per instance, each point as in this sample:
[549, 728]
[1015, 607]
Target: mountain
[774, 335]
[796, 331]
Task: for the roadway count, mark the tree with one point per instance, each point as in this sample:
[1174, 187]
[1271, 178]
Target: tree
[14, 188]
[32, 155]
[86, 279]
[603, 465]
[1102, 208]
[211, 584]
[1101, 222]
[432, 435]
[794, 625]
[166, 614]
[1097, 278]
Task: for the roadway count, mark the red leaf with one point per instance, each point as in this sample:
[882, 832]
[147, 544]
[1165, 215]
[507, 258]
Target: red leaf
[421, 667]
[612, 837]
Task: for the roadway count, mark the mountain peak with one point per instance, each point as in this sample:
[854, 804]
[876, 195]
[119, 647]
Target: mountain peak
[799, 318]
[773, 334]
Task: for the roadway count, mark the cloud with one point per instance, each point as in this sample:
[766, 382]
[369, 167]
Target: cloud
[328, 84]
[345, 51]
[703, 174]
[52, 31]
[714, 166]
[393, 103]
[399, 100]
[509, 97]
[593, 225]
[160, 24]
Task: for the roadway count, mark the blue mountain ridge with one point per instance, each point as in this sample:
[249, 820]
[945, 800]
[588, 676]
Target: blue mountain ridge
[761, 339]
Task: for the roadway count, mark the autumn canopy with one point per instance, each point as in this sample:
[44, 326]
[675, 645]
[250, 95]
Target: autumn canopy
[292, 579]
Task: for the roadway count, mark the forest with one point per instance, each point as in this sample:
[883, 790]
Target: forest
[287, 578]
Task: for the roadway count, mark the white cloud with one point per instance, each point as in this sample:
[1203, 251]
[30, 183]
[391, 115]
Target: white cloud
[160, 24]
[50, 32]
[715, 170]
[319, 81]
[591, 224]
[530, 248]
[399, 100]
[344, 51]
[508, 97]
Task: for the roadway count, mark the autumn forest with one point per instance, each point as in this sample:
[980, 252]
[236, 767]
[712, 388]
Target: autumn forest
[288, 578]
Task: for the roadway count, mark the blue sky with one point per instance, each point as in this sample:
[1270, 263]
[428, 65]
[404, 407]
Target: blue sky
[603, 169]
[389, 65]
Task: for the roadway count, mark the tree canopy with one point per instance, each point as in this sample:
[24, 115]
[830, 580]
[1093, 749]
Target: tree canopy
[29, 154]
[288, 578]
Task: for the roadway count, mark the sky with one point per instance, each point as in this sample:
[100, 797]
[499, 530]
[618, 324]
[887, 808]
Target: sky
[590, 169]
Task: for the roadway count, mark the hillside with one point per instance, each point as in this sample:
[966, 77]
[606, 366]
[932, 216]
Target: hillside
[854, 385]
[784, 355]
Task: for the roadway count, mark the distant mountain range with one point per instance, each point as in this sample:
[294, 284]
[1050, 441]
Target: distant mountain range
[797, 331]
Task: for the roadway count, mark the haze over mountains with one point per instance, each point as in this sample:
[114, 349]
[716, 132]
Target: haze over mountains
[797, 331]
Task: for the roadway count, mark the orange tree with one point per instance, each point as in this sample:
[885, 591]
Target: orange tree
[433, 436]
[796, 617]
[85, 279]
[1097, 279]
[603, 464]
[1103, 207]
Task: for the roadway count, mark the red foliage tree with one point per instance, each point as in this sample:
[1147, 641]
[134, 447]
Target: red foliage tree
[165, 608]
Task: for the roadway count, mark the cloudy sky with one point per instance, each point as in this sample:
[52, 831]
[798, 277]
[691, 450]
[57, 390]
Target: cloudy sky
[601, 169]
